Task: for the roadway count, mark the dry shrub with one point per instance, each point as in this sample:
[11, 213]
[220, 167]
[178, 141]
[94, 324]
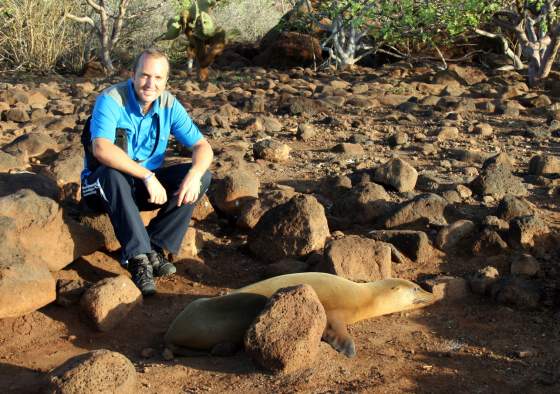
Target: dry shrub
[248, 20]
[34, 33]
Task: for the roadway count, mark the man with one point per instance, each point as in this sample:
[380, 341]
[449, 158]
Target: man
[140, 115]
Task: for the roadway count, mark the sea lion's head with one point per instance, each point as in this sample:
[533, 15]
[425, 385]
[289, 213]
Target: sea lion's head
[395, 295]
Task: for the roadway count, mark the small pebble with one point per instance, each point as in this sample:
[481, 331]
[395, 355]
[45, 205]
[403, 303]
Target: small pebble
[524, 353]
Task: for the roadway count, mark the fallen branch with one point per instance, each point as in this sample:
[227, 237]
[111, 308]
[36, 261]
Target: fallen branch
[517, 63]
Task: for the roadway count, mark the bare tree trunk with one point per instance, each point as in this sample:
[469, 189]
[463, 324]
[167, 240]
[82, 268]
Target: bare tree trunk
[109, 27]
[550, 57]
[345, 43]
[538, 34]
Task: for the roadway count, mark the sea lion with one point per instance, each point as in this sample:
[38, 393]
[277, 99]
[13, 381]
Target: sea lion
[207, 322]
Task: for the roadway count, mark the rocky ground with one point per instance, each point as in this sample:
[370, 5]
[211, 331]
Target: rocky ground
[447, 178]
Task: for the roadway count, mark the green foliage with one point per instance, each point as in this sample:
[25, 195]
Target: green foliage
[434, 21]
[410, 24]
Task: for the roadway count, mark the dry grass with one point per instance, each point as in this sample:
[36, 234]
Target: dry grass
[36, 37]
[34, 33]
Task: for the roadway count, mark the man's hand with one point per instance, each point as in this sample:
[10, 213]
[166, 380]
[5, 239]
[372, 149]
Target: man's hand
[190, 188]
[157, 192]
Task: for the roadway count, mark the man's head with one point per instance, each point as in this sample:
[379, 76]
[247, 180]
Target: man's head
[150, 74]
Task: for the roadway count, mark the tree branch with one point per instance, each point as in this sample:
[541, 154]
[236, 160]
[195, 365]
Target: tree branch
[517, 63]
[117, 26]
[146, 10]
[95, 6]
[81, 19]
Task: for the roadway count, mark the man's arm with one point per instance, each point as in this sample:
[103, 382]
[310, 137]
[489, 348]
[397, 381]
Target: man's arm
[201, 159]
[112, 156]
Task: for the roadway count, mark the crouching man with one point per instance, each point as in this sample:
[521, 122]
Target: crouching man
[130, 128]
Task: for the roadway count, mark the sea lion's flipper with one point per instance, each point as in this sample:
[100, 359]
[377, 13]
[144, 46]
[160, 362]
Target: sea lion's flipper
[337, 336]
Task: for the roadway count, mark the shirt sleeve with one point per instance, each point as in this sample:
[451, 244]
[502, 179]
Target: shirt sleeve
[104, 119]
[182, 126]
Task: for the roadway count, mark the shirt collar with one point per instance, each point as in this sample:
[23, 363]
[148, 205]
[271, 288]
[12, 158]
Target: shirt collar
[136, 106]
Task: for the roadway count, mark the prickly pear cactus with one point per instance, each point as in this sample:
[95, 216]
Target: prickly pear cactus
[174, 28]
[204, 27]
[205, 41]
[193, 19]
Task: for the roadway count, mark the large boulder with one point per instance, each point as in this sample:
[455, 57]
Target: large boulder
[298, 105]
[110, 300]
[497, 180]
[423, 209]
[38, 224]
[25, 286]
[544, 165]
[357, 259]
[203, 209]
[481, 281]
[511, 207]
[449, 237]
[10, 162]
[524, 230]
[40, 184]
[234, 190]
[364, 203]
[398, 174]
[98, 371]
[271, 150]
[285, 337]
[468, 75]
[66, 170]
[100, 224]
[414, 244]
[192, 244]
[517, 292]
[296, 228]
[253, 211]
[448, 288]
[289, 49]
[31, 145]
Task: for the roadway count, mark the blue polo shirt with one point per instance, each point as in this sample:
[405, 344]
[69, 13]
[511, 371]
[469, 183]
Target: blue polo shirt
[117, 108]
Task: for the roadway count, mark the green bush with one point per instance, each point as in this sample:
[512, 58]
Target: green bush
[408, 25]
[415, 24]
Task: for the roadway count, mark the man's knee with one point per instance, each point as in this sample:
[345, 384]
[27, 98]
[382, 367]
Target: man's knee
[111, 176]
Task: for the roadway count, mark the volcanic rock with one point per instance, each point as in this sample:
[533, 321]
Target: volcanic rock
[357, 259]
[285, 337]
[295, 228]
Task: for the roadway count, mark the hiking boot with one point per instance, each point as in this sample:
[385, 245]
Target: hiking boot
[161, 266]
[142, 274]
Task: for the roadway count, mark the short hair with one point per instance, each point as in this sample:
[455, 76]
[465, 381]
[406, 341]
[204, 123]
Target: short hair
[151, 52]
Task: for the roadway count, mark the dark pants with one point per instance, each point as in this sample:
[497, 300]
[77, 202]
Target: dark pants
[123, 197]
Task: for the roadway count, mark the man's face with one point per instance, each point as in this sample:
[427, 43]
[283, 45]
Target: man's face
[149, 78]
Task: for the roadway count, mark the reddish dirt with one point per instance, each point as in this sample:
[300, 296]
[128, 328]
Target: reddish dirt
[474, 346]
[471, 346]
